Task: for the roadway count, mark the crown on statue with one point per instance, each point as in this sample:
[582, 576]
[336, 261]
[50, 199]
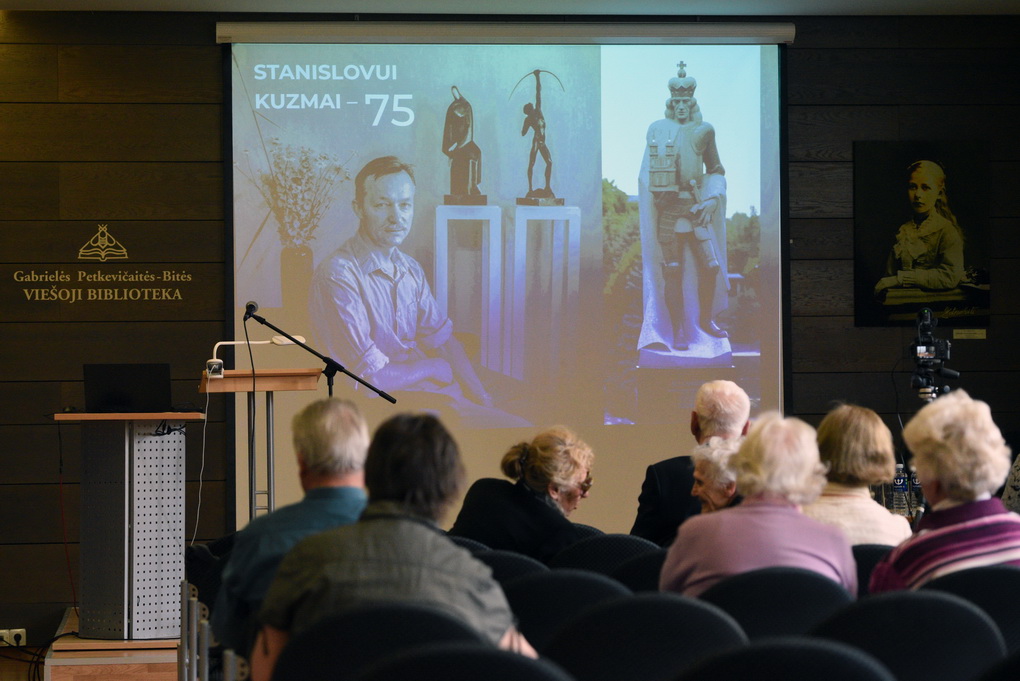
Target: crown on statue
[682, 85]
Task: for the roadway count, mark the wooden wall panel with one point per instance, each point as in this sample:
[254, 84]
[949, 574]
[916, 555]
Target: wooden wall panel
[108, 28]
[822, 287]
[30, 192]
[184, 344]
[140, 73]
[141, 191]
[47, 581]
[32, 453]
[150, 241]
[826, 133]
[818, 239]
[821, 190]
[99, 132]
[884, 77]
[43, 525]
[28, 73]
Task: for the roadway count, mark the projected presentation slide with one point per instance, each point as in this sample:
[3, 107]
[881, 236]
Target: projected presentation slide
[516, 235]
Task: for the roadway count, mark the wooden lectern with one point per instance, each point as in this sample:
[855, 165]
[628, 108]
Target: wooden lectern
[132, 523]
[267, 381]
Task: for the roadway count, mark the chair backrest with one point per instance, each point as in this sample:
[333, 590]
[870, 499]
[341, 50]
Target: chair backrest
[339, 646]
[584, 531]
[919, 635]
[641, 573]
[1007, 670]
[462, 662]
[602, 553]
[507, 565]
[794, 658]
[472, 545]
[992, 588]
[544, 601]
[867, 557]
[648, 636]
[777, 601]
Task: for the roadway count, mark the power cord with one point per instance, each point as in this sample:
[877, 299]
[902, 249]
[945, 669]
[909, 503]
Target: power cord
[201, 469]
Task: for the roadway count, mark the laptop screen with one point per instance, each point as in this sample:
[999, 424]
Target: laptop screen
[125, 388]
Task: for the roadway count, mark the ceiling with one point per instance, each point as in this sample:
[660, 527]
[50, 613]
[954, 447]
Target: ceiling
[543, 7]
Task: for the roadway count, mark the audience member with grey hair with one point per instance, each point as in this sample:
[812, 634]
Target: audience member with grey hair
[961, 460]
[857, 447]
[778, 470]
[330, 442]
[721, 409]
[396, 552]
[715, 481]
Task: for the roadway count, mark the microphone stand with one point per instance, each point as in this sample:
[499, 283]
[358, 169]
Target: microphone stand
[332, 366]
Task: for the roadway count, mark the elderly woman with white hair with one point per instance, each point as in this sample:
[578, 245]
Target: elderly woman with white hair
[715, 481]
[961, 459]
[778, 470]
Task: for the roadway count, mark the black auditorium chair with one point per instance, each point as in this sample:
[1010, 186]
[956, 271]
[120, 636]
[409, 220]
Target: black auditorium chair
[602, 553]
[544, 601]
[584, 531]
[1006, 670]
[777, 601]
[337, 647]
[919, 635]
[790, 658]
[641, 573]
[471, 545]
[867, 557]
[462, 662]
[648, 636]
[993, 588]
[507, 565]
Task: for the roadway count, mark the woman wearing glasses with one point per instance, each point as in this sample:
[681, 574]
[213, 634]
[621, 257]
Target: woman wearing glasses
[530, 515]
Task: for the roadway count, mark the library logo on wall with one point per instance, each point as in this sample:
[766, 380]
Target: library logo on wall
[102, 247]
[99, 276]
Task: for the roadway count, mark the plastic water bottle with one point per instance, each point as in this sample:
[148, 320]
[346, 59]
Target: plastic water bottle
[900, 489]
[917, 495]
[916, 491]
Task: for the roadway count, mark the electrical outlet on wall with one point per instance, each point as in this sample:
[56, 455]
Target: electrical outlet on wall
[12, 637]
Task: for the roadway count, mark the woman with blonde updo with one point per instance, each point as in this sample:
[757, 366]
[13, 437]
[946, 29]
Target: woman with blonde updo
[550, 474]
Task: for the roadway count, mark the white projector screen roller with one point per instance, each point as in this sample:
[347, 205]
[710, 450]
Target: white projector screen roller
[591, 231]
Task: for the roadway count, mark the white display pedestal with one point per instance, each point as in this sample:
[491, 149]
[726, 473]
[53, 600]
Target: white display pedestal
[492, 273]
[565, 270]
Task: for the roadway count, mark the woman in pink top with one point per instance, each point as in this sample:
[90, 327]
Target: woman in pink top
[778, 469]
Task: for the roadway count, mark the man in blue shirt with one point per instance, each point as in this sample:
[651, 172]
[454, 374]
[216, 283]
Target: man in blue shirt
[330, 440]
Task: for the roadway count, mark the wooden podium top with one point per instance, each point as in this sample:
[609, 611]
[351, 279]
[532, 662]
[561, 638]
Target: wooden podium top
[266, 380]
[134, 416]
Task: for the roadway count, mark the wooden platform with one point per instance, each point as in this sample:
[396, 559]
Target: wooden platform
[87, 659]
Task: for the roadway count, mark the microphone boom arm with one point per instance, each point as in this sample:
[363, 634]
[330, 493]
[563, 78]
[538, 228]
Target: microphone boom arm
[332, 366]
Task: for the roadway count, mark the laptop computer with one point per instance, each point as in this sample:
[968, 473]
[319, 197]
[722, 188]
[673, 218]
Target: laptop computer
[127, 388]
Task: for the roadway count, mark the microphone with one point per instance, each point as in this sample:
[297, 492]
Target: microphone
[250, 308]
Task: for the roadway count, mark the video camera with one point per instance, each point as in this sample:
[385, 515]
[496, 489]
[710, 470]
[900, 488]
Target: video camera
[930, 354]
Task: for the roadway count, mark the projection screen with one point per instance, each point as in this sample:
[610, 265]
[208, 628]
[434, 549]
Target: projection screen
[592, 230]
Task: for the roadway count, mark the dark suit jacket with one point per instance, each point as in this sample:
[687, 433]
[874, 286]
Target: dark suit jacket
[666, 500]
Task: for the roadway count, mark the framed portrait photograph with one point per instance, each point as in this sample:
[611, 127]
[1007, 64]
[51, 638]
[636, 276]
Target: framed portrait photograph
[921, 233]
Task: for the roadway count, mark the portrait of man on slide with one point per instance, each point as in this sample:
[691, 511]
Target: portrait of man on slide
[373, 310]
